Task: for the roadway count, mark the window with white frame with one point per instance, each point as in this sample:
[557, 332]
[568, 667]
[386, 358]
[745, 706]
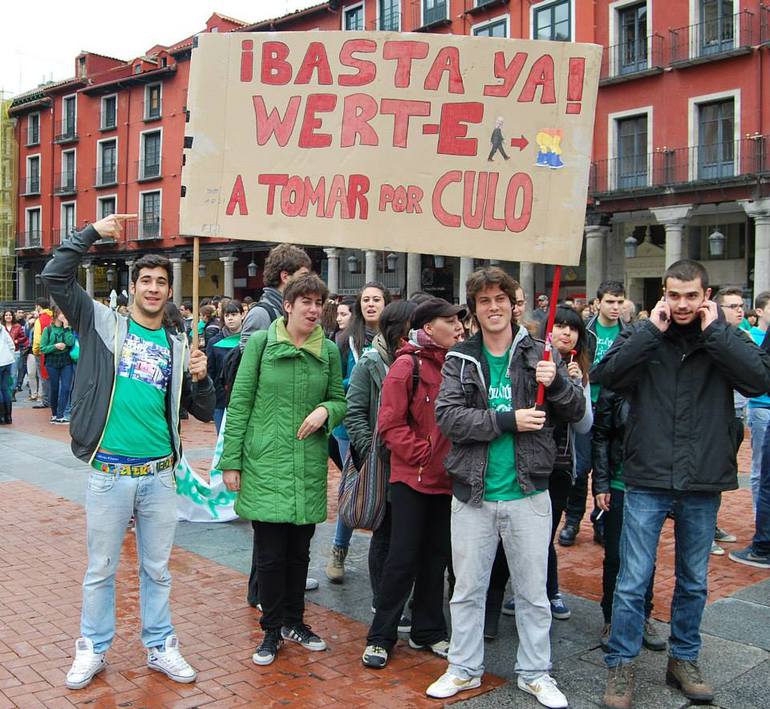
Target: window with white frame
[150, 151]
[67, 220]
[153, 96]
[33, 129]
[494, 28]
[353, 18]
[716, 28]
[33, 227]
[106, 206]
[632, 158]
[631, 50]
[552, 21]
[69, 116]
[716, 139]
[109, 112]
[107, 162]
[434, 11]
[149, 215]
[67, 183]
[33, 175]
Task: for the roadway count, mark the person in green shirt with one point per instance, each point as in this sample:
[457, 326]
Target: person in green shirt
[56, 343]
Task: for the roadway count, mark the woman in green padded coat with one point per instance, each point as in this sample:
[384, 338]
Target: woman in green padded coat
[286, 399]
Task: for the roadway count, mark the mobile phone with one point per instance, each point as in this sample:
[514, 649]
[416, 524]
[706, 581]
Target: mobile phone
[663, 316]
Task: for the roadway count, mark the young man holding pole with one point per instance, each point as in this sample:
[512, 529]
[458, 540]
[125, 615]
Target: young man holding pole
[502, 455]
[131, 376]
[677, 370]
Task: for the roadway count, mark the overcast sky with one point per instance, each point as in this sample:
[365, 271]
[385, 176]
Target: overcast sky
[40, 40]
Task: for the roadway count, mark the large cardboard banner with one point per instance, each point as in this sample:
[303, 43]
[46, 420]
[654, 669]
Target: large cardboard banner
[441, 144]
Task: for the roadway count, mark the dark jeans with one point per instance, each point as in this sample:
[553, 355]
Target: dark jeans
[21, 370]
[60, 379]
[576, 505]
[6, 383]
[378, 553]
[761, 542]
[644, 512]
[419, 553]
[559, 487]
[613, 526]
[283, 555]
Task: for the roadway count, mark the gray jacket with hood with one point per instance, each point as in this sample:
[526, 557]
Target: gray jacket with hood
[102, 332]
[464, 416]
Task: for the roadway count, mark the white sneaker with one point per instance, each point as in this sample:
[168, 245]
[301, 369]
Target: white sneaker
[87, 663]
[440, 648]
[311, 584]
[544, 689]
[448, 685]
[170, 662]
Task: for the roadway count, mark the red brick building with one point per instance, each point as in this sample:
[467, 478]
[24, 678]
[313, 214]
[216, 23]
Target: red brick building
[680, 142]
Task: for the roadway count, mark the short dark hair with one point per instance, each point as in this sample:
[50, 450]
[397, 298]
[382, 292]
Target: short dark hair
[42, 302]
[306, 284]
[232, 306]
[762, 300]
[187, 304]
[687, 270]
[394, 323]
[487, 277]
[284, 257]
[611, 287]
[730, 290]
[151, 261]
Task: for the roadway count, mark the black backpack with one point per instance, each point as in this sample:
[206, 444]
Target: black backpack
[233, 358]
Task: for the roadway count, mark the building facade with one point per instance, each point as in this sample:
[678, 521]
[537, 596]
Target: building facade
[680, 148]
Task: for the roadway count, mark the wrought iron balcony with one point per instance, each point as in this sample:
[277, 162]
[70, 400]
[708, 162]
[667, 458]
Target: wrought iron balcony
[389, 21]
[698, 165]
[58, 234]
[712, 38]
[29, 239]
[431, 16]
[143, 229]
[629, 59]
[64, 183]
[31, 187]
[148, 170]
[106, 176]
[66, 132]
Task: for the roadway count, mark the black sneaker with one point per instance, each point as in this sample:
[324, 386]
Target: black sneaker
[266, 652]
[303, 635]
[405, 623]
[568, 535]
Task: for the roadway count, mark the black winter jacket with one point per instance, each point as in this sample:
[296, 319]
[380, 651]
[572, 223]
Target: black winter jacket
[680, 434]
[609, 430]
[464, 416]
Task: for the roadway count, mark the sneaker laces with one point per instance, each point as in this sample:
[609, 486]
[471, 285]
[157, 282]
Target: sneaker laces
[172, 658]
[271, 641]
[338, 556]
[84, 661]
[378, 650]
[304, 632]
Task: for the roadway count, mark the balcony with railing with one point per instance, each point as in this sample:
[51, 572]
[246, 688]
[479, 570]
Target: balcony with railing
[29, 239]
[147, 170]
[715, 38]
[631, 60]
[66, 132]
[106, 176]
[729, 162]
[64, 183]
[428, 16]
[57, 235]
[479, 6]
[145, 229]
[389, 21]
[31, 187]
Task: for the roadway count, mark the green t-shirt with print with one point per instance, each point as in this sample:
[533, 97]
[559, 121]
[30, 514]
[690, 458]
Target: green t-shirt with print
[605, 336]
[500, 481]
[137, 425]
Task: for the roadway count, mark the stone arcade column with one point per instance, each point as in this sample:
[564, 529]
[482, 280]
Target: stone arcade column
[89, 278]
[674, 220]
[527, 283]
[176, 274]
[759, 211]
[413, 274]
[466, 268]
[21, 286]
[370, 272]
[229, 268]
[333, 270]
[129, 266]
[596, 236]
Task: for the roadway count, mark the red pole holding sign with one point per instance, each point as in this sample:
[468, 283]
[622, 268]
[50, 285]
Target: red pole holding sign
[549, 328]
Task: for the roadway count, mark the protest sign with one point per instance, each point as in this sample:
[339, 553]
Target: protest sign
[443, 144]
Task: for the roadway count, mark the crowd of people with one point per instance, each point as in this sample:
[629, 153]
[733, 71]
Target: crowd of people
[485, 429]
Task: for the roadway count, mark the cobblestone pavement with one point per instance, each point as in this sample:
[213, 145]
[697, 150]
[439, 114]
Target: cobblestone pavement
[42, 560]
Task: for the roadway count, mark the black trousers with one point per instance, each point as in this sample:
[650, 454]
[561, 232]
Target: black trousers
[378, 553]
[613, 526]
[252, 595]
[283, 555]
[419, 553]
[559, 488]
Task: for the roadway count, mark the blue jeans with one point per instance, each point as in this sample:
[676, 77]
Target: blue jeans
[6, 383]
[644, 511]
[342, 533]
[219, 414]
[759, 418]
[60, 379]
[110, 502]
[761, 542]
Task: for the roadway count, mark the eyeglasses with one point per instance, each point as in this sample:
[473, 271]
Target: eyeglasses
[735, 306]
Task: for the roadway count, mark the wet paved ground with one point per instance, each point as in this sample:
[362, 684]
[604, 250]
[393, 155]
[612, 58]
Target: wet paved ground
[42, 560]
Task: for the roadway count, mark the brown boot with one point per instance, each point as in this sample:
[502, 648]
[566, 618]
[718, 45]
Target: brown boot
[685, 675]
[620, 687]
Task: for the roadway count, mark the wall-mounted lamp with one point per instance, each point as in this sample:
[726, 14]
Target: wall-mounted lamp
[439, 261]
[354, 264]
[630, 246]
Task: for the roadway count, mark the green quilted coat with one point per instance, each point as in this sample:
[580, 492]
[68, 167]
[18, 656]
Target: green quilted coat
[278, 384]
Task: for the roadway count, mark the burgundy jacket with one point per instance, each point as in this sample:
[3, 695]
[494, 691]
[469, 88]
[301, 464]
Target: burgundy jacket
[20, 340]
[407, 420]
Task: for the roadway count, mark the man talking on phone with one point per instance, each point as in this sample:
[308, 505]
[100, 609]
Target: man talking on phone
[678, 371]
